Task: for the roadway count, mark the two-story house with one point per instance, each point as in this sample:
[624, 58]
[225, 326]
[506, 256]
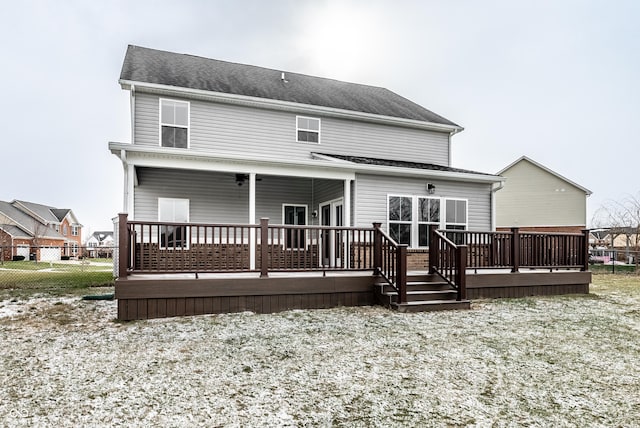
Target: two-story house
[233, 168]
[29, 229]
[215, 141]
[100, 244]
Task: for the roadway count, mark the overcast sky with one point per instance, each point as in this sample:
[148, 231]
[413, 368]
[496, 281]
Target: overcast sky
[558, 81]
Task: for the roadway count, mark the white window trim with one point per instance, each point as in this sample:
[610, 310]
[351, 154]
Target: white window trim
[414, 215]
[309, 130]
[187, 237]
[160, 123]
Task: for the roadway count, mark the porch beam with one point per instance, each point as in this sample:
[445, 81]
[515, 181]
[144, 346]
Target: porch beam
[252, 220]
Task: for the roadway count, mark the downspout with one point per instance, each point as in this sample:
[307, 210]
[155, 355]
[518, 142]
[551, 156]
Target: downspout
[125, 167]
[494, 189]
[133, 114]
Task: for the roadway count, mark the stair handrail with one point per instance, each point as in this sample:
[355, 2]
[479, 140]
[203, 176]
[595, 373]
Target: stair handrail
[390, 260]
[449, 261]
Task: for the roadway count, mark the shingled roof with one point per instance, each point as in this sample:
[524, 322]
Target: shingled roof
[194, 72]
[400, 164]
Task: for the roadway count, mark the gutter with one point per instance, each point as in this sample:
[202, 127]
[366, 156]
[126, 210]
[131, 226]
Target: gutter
[348, 167]
[287, 106]
[494, 189]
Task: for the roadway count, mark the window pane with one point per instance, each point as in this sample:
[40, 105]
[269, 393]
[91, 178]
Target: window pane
[181, 114]
[180, 138]
[405, 209]
[423, 235]
[429, 210]
[167, 113]
[401, 233]
[181, 210]
[168, 139]
[313, 124]
[456, 211]
[394, 208]
[307, 136]
[303, 123]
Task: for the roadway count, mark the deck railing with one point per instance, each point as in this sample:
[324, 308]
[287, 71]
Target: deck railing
[515, 249]
[449, 261]
[162, 247]
[391, 262]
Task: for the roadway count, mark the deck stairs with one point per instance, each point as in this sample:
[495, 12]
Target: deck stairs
[425, 292]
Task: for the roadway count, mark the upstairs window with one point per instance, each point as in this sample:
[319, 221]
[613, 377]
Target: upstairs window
[174, 124]
[74, 230]
[308, 129]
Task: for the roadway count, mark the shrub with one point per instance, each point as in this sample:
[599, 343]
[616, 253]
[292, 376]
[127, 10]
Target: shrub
[17, 258]
[65, 257]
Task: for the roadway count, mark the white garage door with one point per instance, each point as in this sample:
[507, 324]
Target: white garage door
[23, 250]
[49, 253]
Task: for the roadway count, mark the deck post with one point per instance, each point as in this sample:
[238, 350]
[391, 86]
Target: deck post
[123, 246]
[264, 247]
[585, 251]
[461, 272]
[377, 249]
[433, 248]
[401, 274]
[515, 249]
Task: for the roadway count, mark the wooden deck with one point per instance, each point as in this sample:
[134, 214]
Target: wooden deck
[169, 295]
[175, 269]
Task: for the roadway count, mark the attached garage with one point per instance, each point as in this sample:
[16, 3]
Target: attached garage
[23, 250]
[49, 254]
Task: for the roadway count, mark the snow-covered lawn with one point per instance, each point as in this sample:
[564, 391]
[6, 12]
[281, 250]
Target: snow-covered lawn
[558, 361]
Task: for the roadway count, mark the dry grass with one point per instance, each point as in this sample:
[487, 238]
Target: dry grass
[557, 361]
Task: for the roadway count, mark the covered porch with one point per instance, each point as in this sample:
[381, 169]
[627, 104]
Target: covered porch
[173, 269]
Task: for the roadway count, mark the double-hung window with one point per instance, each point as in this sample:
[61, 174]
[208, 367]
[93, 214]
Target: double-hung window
[172, 210]
[295, 215]
[174, 123]
[74, 230]
[428, 214]
[409, 217]
[308, 129]
[400, 218]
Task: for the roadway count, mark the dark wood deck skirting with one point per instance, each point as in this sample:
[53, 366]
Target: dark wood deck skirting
[151, 298]
[162, 297]
[522, 284]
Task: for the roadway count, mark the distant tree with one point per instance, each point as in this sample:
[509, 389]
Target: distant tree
[39, 231]
[5, 246]
[622, 218]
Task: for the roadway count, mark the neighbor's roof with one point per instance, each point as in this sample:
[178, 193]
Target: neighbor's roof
[43, 211]
[550, 171]
[16, 216]
[194, 72]
[15, 231]
[400, 164]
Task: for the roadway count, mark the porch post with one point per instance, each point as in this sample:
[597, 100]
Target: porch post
[377, 249]
[252, 220]
[123, 246]
[401, 273]
[346, 209]
[585, 251]
[433, 248]
[515, 249]
[264, 247]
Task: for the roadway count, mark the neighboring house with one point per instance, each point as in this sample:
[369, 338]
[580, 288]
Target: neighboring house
[535, 198]
[600, 238]
[35, 230]
[220, 142]
[100, 244]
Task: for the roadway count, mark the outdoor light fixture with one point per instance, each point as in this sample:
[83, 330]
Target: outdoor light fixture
[431, 188]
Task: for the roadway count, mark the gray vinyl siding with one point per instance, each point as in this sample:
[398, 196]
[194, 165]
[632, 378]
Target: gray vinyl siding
[372, 191]
[216, 197]
[268, 134]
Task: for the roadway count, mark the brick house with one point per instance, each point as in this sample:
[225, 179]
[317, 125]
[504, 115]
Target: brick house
[48, 233]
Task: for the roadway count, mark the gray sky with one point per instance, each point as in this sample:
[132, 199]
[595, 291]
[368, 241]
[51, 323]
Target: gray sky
[558, 81]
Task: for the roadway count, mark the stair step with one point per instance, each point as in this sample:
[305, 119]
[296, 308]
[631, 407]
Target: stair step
[419, 292]
[432, 305]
